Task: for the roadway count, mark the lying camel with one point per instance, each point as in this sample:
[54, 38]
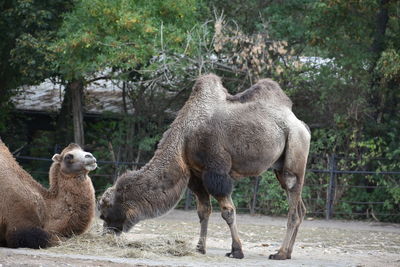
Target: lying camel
[217, 137]
[35, 217]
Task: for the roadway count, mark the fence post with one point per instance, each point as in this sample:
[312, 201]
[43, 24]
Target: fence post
[188, 200]
[330, 196]
[256, 181]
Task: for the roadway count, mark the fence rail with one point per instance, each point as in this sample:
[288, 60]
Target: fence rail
[331, 186]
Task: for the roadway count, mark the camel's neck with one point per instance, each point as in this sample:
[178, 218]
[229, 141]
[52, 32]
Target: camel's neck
[70, 202]
[53, 180]
[154, 190]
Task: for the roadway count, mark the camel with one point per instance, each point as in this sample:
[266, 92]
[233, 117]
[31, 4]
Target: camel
[36, 217]
[217, 138]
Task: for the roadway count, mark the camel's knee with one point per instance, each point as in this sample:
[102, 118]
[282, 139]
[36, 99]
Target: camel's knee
[228, 214]
[290, 180]
[294, 220]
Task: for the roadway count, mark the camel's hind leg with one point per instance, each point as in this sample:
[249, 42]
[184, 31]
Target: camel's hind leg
[204, 210]
[228, 212]
[295, 217]
[291, 177]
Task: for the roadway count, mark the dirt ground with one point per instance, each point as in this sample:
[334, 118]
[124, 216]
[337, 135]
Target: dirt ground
[170, 241]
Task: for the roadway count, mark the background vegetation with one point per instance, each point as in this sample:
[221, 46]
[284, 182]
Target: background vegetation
[338, 60]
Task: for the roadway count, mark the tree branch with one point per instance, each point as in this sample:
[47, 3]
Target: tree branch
[98, 78]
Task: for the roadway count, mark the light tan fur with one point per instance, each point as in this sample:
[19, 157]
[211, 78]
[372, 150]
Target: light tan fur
[34, 216]
[215, 138]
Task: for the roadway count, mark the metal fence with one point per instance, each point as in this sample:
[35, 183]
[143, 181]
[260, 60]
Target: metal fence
[330, 187]
[333, 187]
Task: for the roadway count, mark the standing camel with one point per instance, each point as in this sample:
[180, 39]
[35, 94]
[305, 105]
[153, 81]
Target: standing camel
[35, 217]
[215, 138]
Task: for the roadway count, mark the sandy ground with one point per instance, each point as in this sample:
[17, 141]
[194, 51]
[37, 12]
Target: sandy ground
[170, 241]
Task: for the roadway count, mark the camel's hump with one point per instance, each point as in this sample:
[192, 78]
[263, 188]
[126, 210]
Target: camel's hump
[207, 81]
[265, 89]
[209, 86]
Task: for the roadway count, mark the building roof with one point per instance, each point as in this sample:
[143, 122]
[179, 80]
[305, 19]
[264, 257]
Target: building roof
[101, 96]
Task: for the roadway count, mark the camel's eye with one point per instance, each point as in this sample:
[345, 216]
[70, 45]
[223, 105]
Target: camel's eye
[69, 157]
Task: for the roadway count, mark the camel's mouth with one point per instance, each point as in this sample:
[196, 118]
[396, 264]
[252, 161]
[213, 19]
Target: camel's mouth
[91, 167]
[116, 226]
[112, 230]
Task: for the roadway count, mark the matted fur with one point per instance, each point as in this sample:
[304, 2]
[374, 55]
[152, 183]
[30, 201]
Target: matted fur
[218, 185]
[36, 217]
[217, 137]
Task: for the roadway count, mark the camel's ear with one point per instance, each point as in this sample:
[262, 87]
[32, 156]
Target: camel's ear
[56, 158]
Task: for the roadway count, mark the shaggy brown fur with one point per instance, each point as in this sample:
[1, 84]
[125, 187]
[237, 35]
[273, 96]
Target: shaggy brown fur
[215, 138]
[35, 217]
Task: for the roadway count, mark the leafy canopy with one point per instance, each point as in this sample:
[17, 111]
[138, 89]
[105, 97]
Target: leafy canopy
[121, 34]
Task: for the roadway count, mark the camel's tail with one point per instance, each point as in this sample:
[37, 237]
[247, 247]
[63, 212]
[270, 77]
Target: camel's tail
[29, 238]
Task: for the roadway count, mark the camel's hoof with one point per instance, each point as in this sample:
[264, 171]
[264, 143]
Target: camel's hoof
[278, 256]
[236, 254]
[201, 249]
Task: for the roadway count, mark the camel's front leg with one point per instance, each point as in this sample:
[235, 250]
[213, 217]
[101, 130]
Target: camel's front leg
[228, 212]
[204, 210]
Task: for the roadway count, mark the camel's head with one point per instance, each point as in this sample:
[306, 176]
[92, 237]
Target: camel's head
[74, 160]
[111, 213]
[119, 214]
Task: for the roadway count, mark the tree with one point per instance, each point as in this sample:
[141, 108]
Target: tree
[26, 29]
[117, 37]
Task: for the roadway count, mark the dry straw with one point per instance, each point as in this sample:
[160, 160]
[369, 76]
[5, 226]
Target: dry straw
[95, 243]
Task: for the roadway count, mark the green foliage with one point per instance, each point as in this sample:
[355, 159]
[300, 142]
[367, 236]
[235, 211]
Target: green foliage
[389, 65]
[26, 28]
[41, 147]
[120, 34]
[25, 43]
[271, 197]
[247, 14]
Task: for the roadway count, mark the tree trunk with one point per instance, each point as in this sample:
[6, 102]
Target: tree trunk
[64, 130]
[378, 46]
[76, 90]
[382, 19]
